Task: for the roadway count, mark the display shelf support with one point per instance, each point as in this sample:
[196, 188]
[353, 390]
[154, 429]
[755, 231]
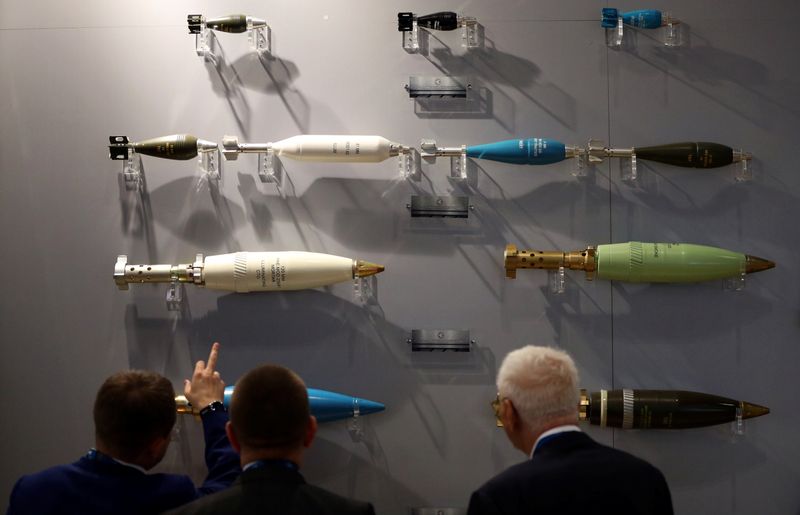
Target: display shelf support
[458, 164]
[557, 281]
[629, 170]
[469, 32]
[132, 171]
[208, 164]
[260, 40]
[744, 168]
[364, 289]
[202, 42]
[175, 295]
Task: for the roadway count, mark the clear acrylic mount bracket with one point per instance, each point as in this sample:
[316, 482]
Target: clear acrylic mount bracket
[738, 424]
[175, 295]
[365, 289]
[580, 165]
[470, 35]
[557, 281]
[671, 32]
[411, 39]
[407, 164]
[132, 171]
[458, 165]
[355, 427]
[259, 38]
[202, 43]
[629, 170]
[744, 168]
[208, 164]
[269, 166]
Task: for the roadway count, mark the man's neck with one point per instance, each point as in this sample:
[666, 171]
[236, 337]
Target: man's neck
[99, 447]
[251, 455]
[533, 436]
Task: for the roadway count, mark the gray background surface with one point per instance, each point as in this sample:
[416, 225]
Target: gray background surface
[73, 74]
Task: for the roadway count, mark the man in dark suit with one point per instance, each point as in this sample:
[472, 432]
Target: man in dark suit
[134, 414]
[271, 427]
[568, 472]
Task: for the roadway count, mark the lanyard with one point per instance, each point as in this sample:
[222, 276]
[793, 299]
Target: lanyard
[98, 456]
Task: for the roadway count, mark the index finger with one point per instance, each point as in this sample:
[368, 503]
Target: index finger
[212, 357]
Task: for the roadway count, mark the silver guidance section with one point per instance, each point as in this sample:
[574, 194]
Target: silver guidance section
[430, 149]
[231, 148]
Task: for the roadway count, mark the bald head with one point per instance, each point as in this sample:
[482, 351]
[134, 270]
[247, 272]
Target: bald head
[270, 409]
[541, 382]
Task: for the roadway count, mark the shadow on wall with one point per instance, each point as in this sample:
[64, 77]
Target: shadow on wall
[226, 83]
[646, 313]
[329, 465]
[736, 82]
[714, 453]
[331, 342]
[501, 68]
[207, 218]
[281, 74]
[137, 213]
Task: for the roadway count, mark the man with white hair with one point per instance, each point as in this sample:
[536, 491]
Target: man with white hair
[568, 472]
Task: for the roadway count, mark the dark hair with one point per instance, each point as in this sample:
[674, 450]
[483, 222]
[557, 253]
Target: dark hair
[269, 408]
[132, 409]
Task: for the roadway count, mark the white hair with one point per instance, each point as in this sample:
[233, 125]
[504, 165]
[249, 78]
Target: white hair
[541, 382]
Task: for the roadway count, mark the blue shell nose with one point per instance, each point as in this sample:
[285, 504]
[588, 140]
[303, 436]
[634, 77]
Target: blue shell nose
[365, 407]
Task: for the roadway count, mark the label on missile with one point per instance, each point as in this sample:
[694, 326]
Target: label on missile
[274, 273]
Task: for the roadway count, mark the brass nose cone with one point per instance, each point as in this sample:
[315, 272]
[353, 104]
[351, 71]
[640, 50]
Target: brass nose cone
[365, 269]
[182, 405]
[757, 264]
[753, 410]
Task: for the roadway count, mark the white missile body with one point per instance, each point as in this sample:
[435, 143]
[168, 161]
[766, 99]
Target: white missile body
[250, 271]
[321, 148]
[267, 271]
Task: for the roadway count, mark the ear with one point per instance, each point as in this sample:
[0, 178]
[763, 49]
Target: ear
[311, 431]
[232, 438]
[509, 415]
[155, 452]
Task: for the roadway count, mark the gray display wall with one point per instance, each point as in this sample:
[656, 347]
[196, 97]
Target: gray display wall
[74, 73]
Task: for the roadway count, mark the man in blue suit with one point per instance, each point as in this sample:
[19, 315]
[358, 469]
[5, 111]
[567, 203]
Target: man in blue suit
[134, 414]
[568, 472]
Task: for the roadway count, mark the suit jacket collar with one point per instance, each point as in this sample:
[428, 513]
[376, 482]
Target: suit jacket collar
[271, 473]
[108, 467]
[563, 443]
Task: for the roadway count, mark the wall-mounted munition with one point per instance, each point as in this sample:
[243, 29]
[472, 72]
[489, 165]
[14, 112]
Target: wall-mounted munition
[176, 146]
[691, 154]
[544, 151]
[325, 406]
[234, 23]
[642, 18]
[530, 151]
[250, 271]
[662, 409]
[641, 262]
[443, 20]
[321, 148]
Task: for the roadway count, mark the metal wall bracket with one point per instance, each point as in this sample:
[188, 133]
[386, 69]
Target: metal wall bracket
[456, 340]
[439, 206]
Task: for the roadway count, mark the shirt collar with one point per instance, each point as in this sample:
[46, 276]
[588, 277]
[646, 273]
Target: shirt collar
[97, 455]
[552, 432]
[257, 464]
